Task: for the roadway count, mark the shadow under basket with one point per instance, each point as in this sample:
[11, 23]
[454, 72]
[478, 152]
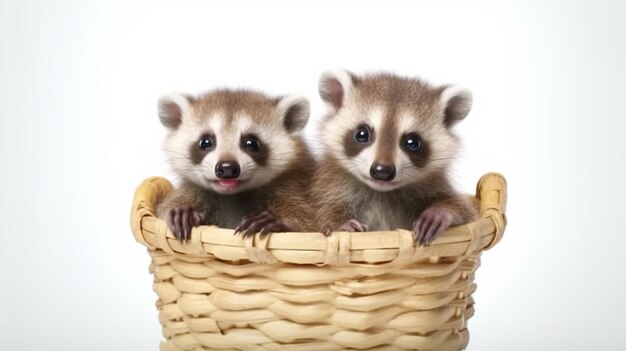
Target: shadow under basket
[305, 291]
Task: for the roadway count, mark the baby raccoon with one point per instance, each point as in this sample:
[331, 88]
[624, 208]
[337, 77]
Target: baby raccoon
[387, 147]
[241, 160]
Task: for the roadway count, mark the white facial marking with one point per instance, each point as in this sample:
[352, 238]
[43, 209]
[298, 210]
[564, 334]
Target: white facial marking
[279, 145]
[376, 120]
[442, 143]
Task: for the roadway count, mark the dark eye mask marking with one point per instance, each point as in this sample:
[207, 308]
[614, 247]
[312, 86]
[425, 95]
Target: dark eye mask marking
[354, 140]
[201, 147]
[255, 148]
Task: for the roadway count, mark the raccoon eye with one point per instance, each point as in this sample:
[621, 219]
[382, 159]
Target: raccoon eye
[251, 144]
[413, 142]
[362, 135]
[205, 143]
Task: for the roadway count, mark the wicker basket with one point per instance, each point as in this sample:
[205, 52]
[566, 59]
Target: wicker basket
[305, 291]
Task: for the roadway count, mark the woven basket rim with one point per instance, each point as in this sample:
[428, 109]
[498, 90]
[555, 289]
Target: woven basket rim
[339, 248]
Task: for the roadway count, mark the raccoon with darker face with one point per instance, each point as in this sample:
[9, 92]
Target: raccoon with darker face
[387, 144]
[241, 161]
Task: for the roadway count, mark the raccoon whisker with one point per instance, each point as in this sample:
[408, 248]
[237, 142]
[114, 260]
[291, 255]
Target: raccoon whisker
[362, 161]
[446, 158]
[354, 169]
[408, 167]
[177, 159]
[250, 166]
[174, 152]
[189, 170]
[181, 175]
[180, 172]
[175, 172]
[158, 164]
[281, 159]
[226, 201]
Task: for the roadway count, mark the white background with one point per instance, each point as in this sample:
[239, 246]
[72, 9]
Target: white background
[79, 131]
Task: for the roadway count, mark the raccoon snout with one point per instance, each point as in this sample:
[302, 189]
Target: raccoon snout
[383, 172]
[227, 170]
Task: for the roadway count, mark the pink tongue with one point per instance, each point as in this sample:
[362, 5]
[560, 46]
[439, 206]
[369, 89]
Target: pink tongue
[228, 183]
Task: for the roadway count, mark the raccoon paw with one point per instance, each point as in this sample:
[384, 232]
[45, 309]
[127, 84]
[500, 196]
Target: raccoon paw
[180, 220]
[327, 230]
[263, 222]
[352, 225]
[430, 224]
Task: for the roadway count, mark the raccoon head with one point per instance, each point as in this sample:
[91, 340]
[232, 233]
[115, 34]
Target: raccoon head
[390, 131]
[230, 141]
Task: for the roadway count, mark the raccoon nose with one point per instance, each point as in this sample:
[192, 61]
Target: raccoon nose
[227, 170]
[383, 172]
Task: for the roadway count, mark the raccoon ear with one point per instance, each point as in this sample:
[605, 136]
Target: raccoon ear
[456, 103]
[334, 86]
[172, 107]
[295, 111]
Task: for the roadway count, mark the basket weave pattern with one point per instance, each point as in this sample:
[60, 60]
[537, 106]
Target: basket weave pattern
[305, 291]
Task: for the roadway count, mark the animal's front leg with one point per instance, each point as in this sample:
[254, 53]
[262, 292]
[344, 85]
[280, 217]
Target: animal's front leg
[181, 219]
[430, 224]
[263, 222]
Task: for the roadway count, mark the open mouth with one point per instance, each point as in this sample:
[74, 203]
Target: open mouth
[228, 184]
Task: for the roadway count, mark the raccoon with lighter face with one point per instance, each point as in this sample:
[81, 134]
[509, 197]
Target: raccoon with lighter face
[241, 161]
[387, 148]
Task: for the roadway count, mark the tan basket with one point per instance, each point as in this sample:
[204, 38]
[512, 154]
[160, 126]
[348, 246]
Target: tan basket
[305, 291]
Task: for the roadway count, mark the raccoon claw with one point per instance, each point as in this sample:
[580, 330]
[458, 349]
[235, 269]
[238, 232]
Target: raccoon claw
[327, 230]
[181, 219]
[430, 224]
[264, 222]
[352, 225]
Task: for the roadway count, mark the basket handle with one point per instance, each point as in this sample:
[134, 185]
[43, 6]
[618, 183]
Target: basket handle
[148, 194]
[491, 191]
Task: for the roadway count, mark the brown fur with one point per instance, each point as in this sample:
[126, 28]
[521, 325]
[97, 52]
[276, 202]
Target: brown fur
[340, 195]
[230, 101]
[286, 194]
